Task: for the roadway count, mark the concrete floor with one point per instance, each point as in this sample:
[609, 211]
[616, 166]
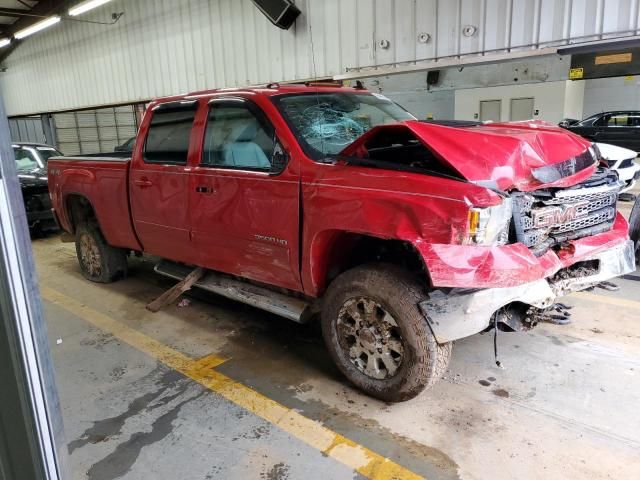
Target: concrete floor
[564, 406]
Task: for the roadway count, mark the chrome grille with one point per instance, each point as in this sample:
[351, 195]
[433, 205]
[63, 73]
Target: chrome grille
[600, 216]
[601, 195]
[567, 214]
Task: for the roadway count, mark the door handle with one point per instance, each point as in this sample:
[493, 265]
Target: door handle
[205, 189]
[143, 182]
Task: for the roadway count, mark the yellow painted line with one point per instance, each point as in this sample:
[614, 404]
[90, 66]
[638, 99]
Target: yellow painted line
[332, 444]
[140, 341]
[618, 302]
[208, 362]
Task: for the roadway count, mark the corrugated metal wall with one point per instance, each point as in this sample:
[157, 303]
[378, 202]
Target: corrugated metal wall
[27, 129]
[162, 47]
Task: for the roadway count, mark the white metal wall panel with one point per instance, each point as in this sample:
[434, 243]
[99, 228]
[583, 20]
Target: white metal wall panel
[618, 93]
[26, 129]
[162, 47]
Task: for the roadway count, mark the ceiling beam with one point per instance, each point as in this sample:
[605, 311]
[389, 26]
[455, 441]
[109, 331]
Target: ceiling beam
[14, 12]
[44, 8]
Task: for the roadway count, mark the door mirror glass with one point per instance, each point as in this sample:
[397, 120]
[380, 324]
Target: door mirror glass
[279, 158]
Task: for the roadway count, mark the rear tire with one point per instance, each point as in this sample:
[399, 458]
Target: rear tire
[99, 261]
[378, 337]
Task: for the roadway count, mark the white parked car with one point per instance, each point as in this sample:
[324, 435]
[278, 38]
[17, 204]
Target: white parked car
[622, 160]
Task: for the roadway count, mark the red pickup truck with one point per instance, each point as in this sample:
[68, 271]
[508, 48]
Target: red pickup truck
[307, 201]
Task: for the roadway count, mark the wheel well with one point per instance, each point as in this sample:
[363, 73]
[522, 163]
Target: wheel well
[349, 250]
[79, 210]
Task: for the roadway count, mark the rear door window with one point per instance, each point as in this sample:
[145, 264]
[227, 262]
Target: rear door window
[624, 120]
[169, 132]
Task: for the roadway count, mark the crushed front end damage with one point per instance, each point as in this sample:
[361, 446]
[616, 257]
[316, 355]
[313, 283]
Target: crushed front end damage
[564, 236]
[550, 227]
[455, 313]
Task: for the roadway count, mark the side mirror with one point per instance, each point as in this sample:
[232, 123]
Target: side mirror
[279, 159]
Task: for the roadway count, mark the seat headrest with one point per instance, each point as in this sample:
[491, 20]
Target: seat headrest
[249, 133]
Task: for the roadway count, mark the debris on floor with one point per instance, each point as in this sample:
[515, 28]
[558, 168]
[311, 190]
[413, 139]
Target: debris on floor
[174, 292]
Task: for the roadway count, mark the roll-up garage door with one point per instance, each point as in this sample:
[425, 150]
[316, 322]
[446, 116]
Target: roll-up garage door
[94, 131]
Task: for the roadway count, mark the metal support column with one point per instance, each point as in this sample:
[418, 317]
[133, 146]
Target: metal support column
[47, 128]
[31, 439]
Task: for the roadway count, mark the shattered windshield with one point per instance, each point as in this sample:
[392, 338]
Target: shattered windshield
[325, 123]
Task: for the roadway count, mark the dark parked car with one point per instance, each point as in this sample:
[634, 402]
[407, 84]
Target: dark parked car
[620, 128]
[31, 166]
[126, 146]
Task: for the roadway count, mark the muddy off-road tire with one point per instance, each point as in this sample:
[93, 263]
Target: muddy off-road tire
[99, 261]
[378, 337]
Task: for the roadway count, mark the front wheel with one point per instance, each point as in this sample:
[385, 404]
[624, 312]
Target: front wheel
[99, 261]
[378, 337]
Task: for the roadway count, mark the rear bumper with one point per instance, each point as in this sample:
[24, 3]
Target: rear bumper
[459, 313]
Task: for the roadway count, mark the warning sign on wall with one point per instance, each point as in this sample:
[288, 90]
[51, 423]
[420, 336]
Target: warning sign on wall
[576, 73]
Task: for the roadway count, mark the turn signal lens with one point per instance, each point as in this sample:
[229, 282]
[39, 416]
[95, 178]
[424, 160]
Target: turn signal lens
[474, 221]
[490, 225]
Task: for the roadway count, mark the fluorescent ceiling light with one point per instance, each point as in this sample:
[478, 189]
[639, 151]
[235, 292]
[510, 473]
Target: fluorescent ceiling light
[37, 27]
[4, 42]
[86, 6]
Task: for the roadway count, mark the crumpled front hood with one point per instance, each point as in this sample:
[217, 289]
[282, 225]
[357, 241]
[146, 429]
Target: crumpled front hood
[506, 156]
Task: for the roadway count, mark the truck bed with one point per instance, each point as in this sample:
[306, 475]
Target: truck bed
[103, 181]
[98, 156]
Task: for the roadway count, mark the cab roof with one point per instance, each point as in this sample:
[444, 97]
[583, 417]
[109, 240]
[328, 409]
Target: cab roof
[269, 89]
[31, 144]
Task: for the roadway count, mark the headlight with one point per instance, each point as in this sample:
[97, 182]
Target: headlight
[490, 226]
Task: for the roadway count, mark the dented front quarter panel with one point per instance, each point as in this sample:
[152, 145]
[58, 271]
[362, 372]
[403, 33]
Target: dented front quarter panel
[410, 207]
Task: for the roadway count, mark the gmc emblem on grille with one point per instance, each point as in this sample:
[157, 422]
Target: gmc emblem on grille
[557, 215]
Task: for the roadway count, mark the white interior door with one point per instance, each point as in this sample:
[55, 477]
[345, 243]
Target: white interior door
[490, 110]
[521, 109]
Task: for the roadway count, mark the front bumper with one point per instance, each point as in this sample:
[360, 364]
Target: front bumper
[459, 313]
[629, 176]
[43, 220]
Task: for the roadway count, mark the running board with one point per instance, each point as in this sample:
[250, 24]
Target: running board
[285, 306]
